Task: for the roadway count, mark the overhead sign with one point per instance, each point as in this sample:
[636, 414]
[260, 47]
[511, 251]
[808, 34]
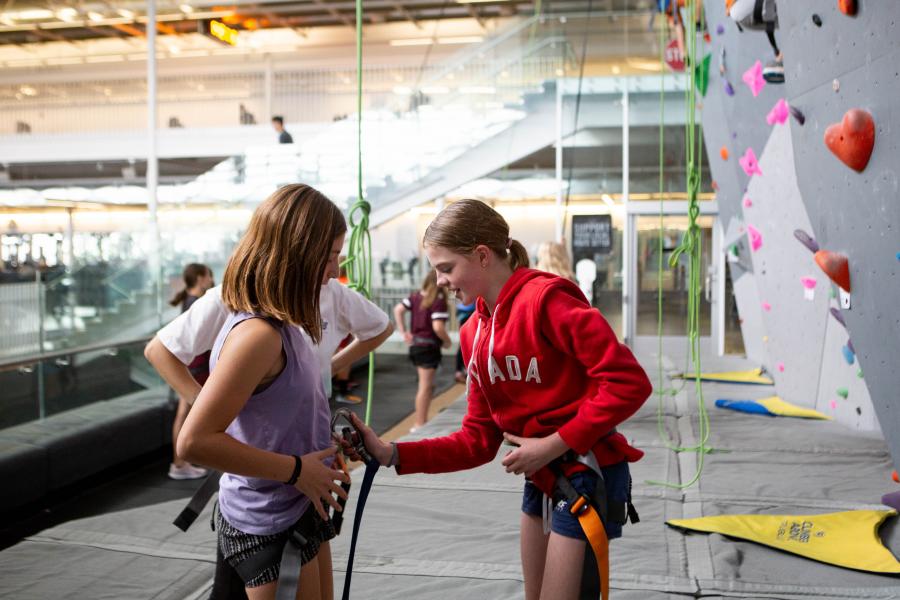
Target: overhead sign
[674, 57]
[591, 235]
[222, 32]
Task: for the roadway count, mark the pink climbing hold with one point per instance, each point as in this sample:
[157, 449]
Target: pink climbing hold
[833, 405]
[753, 77]
[779, 113]
[748, 202]
[781, 367]
[749, 163]
[808, 282]
[766, 306]
[755, 238]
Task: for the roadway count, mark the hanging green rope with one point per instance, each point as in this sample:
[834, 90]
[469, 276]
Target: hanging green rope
[690, 246]
[359, 251]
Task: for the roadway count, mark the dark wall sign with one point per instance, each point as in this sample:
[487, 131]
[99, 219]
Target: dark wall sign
[591, 235]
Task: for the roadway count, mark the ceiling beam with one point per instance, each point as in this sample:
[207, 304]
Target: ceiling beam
[335, 13]
[473, 12]
[407, 15]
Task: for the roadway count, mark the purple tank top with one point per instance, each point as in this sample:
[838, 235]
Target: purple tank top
[291, 416]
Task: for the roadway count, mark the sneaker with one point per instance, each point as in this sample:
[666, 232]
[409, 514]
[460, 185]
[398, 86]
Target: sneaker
[773, 72]
[186, 471]
[347, 399]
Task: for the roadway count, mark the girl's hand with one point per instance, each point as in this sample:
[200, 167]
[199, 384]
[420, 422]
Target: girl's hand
[317, 480]
[532, 453]
[381, 451]
[408, 338]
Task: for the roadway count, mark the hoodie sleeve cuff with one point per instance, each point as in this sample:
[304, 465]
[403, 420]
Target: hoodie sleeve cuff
[409, 460]
[578, 438]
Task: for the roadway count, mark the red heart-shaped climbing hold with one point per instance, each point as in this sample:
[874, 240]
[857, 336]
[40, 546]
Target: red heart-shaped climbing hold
[836, 266]
[848, 7]
[852, 139]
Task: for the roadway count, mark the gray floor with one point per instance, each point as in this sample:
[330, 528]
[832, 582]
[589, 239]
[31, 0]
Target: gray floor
[456, 535]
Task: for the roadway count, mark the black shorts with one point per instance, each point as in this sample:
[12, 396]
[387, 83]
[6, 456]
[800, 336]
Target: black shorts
[427, 357]
[237, 546]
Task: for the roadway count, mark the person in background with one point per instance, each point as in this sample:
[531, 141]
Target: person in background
[554, 258]
[463, 312]
[341, 383]
[198, 278]
[426, 335]
[283, 136]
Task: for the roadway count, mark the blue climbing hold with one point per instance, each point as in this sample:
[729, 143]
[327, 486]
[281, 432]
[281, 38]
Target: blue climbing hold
[849, 356]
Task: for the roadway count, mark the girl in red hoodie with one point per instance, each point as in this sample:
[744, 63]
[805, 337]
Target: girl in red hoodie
[545, 373]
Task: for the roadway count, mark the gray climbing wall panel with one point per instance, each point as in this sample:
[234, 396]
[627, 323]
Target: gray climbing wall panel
[746, 292]
[852, 62]
[804, 360]
[735, 122]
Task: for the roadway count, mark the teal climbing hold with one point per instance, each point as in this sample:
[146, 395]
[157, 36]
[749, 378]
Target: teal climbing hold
[849, 354]
[859, 373]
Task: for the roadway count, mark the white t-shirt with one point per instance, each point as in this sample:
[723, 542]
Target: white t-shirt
[344, 311]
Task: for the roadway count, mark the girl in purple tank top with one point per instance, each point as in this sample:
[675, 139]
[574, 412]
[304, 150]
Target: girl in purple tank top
[262, 417]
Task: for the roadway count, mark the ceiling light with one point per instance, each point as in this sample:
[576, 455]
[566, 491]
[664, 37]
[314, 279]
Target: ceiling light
[435, 89]
[412, 42]
[616, 69]
[173, 49]
[67, 14]
[124, 12]
[28, 90]
[95, 16]
[461, 39]
[32, 14]
[402, 90]
[6, 20]
[478, 89]
[186, 8]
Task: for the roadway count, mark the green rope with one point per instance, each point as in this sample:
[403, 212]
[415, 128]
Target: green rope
[690, 246]
[359, 251]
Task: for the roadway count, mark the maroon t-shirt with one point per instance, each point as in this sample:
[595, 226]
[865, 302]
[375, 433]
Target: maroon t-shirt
[421, 318]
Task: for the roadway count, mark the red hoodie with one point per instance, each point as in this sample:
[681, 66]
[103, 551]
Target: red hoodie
[544, 362]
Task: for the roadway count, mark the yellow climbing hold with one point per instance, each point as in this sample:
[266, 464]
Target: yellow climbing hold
[777, 406]
[846, 539]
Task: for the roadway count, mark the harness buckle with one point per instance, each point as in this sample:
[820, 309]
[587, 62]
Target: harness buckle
[349, 433]
[581, 504]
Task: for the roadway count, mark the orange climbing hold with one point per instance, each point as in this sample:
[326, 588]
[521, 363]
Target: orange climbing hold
[852, 139]
[848, 7]
[723, 152]
[836, 266]
[895, 477]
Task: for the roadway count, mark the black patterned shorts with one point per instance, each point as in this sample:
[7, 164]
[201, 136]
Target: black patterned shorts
[237, 546]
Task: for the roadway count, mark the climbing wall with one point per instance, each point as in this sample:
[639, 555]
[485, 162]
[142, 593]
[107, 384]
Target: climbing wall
[804, 349]
[746, 292]
[842, 63]
[732, 119]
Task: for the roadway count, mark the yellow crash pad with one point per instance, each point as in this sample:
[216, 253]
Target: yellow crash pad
[777, 406]
[846, 539]
[754, 376]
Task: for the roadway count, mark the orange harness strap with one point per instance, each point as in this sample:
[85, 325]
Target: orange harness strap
[595, 532]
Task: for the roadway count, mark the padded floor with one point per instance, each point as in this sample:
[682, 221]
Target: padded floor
[456, 535]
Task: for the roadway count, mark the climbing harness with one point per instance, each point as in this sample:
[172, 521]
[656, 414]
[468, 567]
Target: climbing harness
[592, 511]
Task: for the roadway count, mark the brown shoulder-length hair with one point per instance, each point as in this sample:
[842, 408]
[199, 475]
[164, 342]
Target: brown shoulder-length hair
[466, 224]
[277, 267]
[430, 290]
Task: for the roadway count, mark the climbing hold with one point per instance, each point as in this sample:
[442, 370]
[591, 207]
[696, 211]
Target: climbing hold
[848, 7]
[850, 345]
[795, 112]
[748, 202]
[898, 256]
[723, 152]
[701, 74]
[836, 313]
[707, 38]
[842, 392]
[833, 405]
[734, 250]
[831, 293]
[809, 287]
[714, 185]
[749, 163]
[766, 306]
[734, 135]
[852, 139]
[817, 20]
[729, 89]
[755, 238]
[858, 410]
[753, 77]
[779, 113]
[807, 240]
[781, 367]
[849, 356]
[720, 29]
[859, 373]
[836, 266]
[835, 85]
[895, 477]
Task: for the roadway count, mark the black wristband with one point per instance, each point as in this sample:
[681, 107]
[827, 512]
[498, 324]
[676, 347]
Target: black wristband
[298, 466]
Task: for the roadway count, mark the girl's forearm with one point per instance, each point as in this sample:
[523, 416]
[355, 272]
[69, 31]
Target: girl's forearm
[222, 452]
